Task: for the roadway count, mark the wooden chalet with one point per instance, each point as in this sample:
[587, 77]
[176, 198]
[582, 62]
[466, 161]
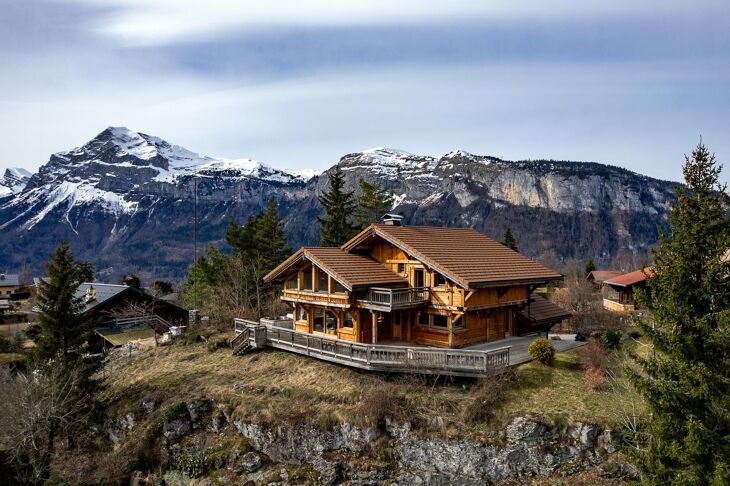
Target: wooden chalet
[618, 292]
[432, 286]
[9, 284]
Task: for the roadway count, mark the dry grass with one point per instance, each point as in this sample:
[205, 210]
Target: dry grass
[275, 386]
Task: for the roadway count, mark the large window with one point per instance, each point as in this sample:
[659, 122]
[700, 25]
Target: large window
[419, 278]
[348, 320]
[338, 287]
[302, 316]
[423, 319]
[439, 280]
[318, 320]
[291, 283]
[322, 281]
[307, 279]
[330, 322]
[442, 322]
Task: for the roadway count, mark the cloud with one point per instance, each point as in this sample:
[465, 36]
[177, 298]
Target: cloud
[145, 22]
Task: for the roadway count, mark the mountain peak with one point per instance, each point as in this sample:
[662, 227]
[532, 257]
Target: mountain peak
[13, 181]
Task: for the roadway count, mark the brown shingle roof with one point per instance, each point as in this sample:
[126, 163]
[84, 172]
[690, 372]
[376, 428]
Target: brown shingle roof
[349, 269]
[462, 254]
[542, 311]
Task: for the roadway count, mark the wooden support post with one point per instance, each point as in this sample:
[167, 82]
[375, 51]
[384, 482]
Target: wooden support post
[451, 330]
[375, 326]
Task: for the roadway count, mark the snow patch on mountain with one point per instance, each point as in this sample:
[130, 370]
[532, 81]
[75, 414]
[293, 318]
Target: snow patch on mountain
[14, 181]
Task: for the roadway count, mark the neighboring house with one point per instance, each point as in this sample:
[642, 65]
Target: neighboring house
[8, 285]
[618, 292]
[445, 287]
[115, 307]
[597, 277]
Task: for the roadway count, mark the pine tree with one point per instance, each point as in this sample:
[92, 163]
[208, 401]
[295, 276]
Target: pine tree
[590, 266]
[373, 202]
[509, 240]
[339, 205]
[269, 237]
[686, 379]
[62, 329]
[132, 280]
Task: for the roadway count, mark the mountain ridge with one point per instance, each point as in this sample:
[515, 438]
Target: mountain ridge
[125, 200]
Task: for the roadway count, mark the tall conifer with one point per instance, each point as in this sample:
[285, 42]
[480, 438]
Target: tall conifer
[509, 240]
[373, 202]
[339, 205]
[686, 378]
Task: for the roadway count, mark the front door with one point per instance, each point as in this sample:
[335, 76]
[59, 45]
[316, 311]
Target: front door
[397, 326]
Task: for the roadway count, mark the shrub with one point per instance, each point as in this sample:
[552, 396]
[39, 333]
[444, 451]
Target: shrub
[541, 351]
[593, 355]
[382, 401]
[594, 378]
[609, 339]
[485, 395]
[176, 410]
[192, 465]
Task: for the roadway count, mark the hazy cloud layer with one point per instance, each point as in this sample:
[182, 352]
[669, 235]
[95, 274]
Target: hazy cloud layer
[299, 86]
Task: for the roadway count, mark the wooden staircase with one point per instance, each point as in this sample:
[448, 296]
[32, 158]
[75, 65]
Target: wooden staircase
[241, 344]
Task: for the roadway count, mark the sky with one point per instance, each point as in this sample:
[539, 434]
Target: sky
[299, 84]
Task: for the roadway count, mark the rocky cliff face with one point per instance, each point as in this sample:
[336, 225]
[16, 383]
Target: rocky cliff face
[124, 200]
[305, 453]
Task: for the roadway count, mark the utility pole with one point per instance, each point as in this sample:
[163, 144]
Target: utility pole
[195, 235]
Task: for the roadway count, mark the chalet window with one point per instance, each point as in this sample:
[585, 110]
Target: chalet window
[440, 321]
[423, 319]
[322, 279]
[307, 279]
[292, 283]
[338, 287]
[347, 322]
[330, 322]
[401, 268]
[318, 320]
[302, 313]
[419, 278]
[439, 280]
[458, 322]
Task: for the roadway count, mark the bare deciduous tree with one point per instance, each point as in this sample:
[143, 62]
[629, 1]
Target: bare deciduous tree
[38, 409]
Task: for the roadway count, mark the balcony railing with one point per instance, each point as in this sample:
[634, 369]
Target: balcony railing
[393, 299]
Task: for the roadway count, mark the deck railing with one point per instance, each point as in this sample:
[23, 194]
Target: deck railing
[393, 299]
[149, 319]
[391, 358]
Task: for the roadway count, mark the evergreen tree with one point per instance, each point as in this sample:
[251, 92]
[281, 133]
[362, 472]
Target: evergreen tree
[590, 266]
[62, 330]
[269, 237]
[373, 202]
[509, 240]
[686, 379]
[132, 280]
[241, 238]
[339, 205]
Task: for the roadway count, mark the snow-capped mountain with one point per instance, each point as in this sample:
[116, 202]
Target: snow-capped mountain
[13, 181]
[125, 200]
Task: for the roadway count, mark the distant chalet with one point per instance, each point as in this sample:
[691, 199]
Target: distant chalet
[444, 287]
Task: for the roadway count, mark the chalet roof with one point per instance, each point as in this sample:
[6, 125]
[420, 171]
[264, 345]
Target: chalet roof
[603, 275]
[542, 311]
[104, 292]
[464, 255]
[630, 279]
[349, 269]
[8, 280]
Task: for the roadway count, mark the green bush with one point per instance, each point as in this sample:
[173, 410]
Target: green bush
[169, 414]
[192, 465]
[541, 351]
[609, 339]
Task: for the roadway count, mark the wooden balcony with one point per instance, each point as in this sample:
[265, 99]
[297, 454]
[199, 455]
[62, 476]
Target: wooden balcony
[387, 358]
[616, 306]
[311, 297]
[388, 300]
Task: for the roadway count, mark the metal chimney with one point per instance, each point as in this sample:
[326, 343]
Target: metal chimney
[393, 219]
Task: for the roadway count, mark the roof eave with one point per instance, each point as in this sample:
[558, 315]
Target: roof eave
[513, 281]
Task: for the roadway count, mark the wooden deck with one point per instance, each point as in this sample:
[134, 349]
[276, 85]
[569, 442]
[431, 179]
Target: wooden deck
[479, 360]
